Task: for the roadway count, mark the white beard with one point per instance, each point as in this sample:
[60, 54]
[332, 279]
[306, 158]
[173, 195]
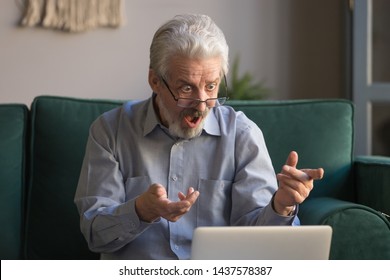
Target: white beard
[174, 124]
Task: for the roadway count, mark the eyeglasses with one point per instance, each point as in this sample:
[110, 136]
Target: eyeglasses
[194, 102]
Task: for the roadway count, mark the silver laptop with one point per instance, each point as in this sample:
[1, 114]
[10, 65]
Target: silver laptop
[262, 243]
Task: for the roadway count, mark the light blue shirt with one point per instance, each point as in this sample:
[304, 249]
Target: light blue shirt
[129, 149]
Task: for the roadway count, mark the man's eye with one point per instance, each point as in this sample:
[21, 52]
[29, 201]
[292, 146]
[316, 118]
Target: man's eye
[186, 89]
[211, 87]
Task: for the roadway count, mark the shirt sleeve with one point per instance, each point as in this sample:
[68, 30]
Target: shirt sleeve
[107, 220]
[255, 180]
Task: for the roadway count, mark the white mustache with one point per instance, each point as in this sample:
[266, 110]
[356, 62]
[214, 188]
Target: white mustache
[195, 113]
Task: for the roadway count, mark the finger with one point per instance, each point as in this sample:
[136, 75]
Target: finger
[158, 190]
[190, 190]
[295, 173]
[192, 197]
[291, 182]
[178, 206]
[184, 204]
[181, 196]
[176, 209]
[292, 159]
[297, 190]
[185, 201]
[315, 174]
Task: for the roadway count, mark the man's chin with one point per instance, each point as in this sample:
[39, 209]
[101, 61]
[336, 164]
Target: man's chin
[187, 133]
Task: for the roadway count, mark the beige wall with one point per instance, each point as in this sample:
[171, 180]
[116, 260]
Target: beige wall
[295, 46]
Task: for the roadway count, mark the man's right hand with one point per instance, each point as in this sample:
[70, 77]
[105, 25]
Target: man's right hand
[154, 203]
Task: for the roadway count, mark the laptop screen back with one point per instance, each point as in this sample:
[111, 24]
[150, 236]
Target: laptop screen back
[262, 243]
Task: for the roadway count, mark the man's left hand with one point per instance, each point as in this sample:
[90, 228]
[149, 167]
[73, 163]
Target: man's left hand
[295, 185]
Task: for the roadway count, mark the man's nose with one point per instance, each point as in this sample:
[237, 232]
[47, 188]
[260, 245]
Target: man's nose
[201, 106]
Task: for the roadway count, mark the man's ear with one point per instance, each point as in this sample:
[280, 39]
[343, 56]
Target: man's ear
[154, 81]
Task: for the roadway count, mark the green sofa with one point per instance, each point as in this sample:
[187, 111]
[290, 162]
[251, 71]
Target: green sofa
[41, 150]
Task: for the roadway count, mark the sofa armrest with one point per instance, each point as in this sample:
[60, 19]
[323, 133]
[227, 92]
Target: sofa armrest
[13, 137]
[370, 230]
[372, 181]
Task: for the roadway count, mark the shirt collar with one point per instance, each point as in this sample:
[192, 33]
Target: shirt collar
[151, 120]
[211, 125]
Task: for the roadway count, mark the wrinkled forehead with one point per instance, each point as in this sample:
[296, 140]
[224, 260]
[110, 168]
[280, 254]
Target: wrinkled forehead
[189, 67]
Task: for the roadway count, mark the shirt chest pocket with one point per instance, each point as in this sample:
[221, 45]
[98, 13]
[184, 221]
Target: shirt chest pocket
[214, 203]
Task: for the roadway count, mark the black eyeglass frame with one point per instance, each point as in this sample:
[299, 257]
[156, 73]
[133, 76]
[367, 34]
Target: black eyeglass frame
[194, 102]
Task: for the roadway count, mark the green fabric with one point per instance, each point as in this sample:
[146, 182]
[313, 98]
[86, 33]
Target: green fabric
[372, 177]
[359, 232]
[321, 131]
[59, 134]
[13, 122]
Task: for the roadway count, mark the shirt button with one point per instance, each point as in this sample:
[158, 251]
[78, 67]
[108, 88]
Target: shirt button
[174, 178]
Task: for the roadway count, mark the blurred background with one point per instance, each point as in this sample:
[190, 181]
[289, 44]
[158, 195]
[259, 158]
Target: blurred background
[296, 49]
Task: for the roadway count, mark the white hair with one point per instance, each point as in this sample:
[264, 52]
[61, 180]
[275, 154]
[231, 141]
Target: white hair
[193, 36]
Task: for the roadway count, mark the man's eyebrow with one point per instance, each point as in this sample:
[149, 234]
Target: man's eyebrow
[216, 80]
[182, 81]
[186, 82]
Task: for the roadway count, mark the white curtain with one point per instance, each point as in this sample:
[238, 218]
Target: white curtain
[73, 15]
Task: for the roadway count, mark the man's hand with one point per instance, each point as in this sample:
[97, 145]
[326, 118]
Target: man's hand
[154, 203]
[294, 185]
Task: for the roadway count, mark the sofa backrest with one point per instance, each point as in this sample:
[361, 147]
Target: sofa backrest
[59, 131]
[13, 128]
[321, 131]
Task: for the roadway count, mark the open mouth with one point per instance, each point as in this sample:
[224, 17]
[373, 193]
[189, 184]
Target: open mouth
[192, 121]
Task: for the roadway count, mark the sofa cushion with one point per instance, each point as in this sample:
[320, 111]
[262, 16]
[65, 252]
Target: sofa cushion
[321, 131]
[13, 123]
[59, 134]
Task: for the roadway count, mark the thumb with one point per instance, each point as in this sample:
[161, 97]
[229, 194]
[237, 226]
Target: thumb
[157, 190]
[292, 159]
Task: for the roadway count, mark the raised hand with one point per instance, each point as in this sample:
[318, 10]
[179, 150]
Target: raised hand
[295, 184]
[154, 203]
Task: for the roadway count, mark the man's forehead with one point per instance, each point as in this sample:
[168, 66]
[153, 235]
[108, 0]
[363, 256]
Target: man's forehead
[188, 68]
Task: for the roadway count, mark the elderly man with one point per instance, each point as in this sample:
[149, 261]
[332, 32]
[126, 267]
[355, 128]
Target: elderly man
[154, 170]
